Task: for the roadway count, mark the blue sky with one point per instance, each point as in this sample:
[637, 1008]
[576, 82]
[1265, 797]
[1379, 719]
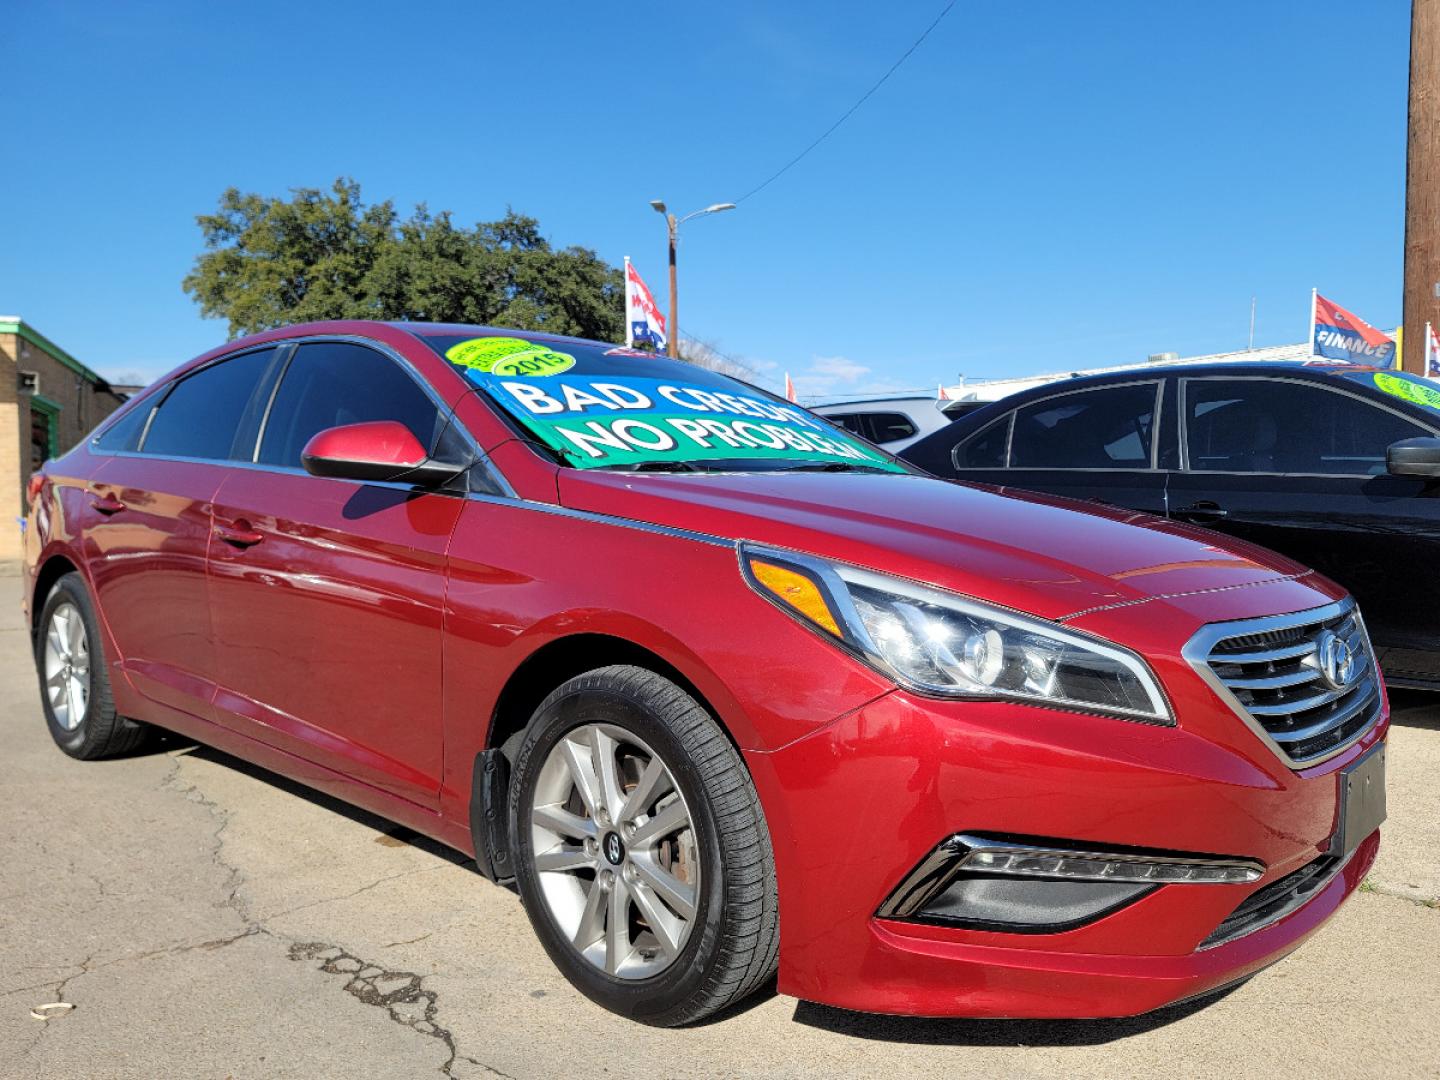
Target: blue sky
[1042, 186]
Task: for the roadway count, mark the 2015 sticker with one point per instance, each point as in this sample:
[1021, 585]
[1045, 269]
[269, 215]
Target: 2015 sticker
[509, 356]
[1404, 388]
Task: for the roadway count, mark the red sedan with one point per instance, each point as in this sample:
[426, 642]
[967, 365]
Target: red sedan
[722, 688]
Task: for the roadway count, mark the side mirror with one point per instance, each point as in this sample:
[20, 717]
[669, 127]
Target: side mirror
[375, 450]
[1414, 457]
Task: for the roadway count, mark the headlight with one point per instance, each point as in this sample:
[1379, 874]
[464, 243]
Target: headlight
[939, 643]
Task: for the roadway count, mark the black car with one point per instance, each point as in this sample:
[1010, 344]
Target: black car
[1335, 465]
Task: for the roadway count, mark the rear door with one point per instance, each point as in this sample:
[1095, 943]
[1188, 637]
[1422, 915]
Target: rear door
[150, 531]
[328, 594]
[1099, 444]
[1298, 465]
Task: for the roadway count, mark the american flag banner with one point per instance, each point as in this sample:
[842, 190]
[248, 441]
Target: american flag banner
[1432, 353]
[643, 321]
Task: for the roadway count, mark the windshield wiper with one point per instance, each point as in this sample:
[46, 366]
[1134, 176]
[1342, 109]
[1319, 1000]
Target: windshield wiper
[833, 466]
[671, 465]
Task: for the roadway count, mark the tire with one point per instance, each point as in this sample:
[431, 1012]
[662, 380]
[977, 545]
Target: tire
[688, 853]
[79, 709]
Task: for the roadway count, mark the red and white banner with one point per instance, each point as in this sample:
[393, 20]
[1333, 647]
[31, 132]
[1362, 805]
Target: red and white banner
[1337, 334]
[1432, 353]
[790, 389]
[643, 321]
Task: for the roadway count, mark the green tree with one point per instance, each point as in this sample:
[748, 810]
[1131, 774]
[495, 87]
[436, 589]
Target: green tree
[326, 255]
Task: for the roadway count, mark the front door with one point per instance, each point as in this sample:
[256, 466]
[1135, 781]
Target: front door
[1299, 467]
[328, 595]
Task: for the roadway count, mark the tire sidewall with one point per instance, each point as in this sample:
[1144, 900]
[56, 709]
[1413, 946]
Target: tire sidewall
[70, 589]
[645, 1000]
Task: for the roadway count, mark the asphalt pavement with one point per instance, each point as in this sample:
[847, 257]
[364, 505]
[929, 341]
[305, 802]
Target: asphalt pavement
[205, 918]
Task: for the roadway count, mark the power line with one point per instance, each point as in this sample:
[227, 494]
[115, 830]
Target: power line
[863, 98]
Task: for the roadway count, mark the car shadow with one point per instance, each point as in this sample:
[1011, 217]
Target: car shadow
[933, 1032]
[1415, 708]
[389, 833]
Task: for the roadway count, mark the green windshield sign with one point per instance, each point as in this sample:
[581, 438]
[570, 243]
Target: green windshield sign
[1410, 389]
[598, 421]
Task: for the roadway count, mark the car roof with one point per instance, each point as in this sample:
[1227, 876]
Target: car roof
[1229, 367]
[868, 403]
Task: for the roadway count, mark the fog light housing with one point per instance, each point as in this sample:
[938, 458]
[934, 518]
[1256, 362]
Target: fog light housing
[1041, 887]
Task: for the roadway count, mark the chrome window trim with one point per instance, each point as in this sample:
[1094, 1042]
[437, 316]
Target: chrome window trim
[163, 394]
[481, 458]
[1184, 422]
[1197, 651]
[1009, 420]
[1010, 466]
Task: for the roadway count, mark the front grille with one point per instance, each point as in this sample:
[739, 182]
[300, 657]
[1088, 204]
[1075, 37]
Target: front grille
[1274, 901]
[1271, 672]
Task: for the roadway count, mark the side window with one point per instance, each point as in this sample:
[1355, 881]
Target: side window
[208, 414]
[124, 433]
[851, 422]
[1284, 426]
[886, 427]
[329, 383]
[986, 448]
[1106, 428]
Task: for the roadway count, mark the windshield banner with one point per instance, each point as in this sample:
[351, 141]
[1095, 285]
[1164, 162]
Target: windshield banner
[599, 421]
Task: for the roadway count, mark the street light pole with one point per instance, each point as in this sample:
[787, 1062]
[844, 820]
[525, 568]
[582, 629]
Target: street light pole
[672, 227]
[672, 335]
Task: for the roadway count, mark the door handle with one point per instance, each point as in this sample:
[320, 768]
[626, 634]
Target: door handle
[238, 534]
[1201, 512]
[107, 504]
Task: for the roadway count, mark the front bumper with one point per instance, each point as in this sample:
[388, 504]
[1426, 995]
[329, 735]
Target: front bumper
[855, 807]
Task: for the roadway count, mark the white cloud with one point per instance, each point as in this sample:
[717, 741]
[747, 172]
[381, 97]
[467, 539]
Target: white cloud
[829, 375]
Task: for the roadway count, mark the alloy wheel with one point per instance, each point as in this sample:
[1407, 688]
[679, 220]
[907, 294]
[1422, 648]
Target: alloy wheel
[67, 666]
[615, 851]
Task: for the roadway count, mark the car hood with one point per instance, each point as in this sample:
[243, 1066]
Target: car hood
[1051, 557]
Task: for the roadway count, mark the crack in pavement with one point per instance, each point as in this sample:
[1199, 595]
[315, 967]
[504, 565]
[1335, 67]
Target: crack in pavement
[1395, 893]
[407, 1002]
[401, 993]
[406, 999]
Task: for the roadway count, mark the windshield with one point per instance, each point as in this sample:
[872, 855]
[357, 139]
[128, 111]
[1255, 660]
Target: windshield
[1417, 391]
[599, 407]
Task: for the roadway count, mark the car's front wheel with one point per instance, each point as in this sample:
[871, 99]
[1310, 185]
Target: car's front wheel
[74, 685]
[642, 853]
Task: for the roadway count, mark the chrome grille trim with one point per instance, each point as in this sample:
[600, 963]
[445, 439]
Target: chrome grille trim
[1266, 671]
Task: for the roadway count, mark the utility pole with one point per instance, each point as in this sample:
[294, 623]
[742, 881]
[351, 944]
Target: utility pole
[1422, 184]
[672, 226]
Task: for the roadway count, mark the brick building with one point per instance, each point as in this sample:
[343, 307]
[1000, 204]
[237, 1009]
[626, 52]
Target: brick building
[49, 401]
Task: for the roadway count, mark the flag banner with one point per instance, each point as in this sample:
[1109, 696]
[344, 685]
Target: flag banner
[643, 321]
[1432, 353]
[1338, 334]
[789, 389]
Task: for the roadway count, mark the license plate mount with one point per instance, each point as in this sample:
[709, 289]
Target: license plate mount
[1361, 801]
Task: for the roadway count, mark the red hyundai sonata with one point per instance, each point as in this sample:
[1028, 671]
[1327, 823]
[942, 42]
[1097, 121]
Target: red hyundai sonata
[722, 688]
